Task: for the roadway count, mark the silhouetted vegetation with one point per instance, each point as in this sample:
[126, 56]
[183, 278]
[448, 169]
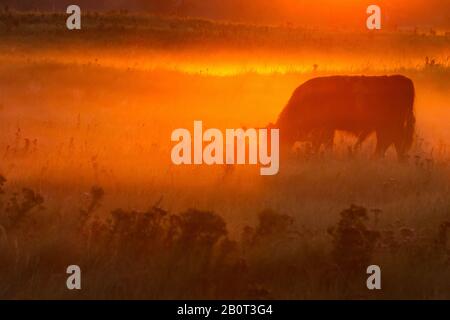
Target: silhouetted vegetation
[158, 254]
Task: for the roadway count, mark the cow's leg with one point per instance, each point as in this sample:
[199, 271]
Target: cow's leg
[322, 137]
[329, 140]
[361, 138]
[316, 142]
[381, 148]
[383, 143]
[400, 147]
[401, 154]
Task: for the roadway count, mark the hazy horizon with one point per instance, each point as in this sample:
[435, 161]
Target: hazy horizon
[346, 13]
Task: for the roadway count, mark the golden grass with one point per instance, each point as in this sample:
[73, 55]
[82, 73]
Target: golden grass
[87, 132]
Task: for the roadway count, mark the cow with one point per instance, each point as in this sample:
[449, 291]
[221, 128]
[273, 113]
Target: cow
[359, 105]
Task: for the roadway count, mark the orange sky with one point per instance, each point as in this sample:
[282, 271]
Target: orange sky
[433, 13]
[324, 13]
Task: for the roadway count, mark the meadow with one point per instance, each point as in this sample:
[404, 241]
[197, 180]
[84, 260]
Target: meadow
[86, 176]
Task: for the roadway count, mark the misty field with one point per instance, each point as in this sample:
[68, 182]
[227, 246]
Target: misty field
[86, 176]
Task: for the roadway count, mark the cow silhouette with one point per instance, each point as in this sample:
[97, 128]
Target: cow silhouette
[359, 105]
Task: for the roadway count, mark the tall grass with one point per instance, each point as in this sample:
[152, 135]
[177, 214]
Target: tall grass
[87, 178]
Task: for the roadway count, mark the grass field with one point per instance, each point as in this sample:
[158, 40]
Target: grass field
[86, 176]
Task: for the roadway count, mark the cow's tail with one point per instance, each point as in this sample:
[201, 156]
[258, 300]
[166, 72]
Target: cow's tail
[410, 121]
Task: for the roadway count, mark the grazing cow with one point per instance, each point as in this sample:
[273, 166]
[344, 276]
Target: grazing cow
[359, 105]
